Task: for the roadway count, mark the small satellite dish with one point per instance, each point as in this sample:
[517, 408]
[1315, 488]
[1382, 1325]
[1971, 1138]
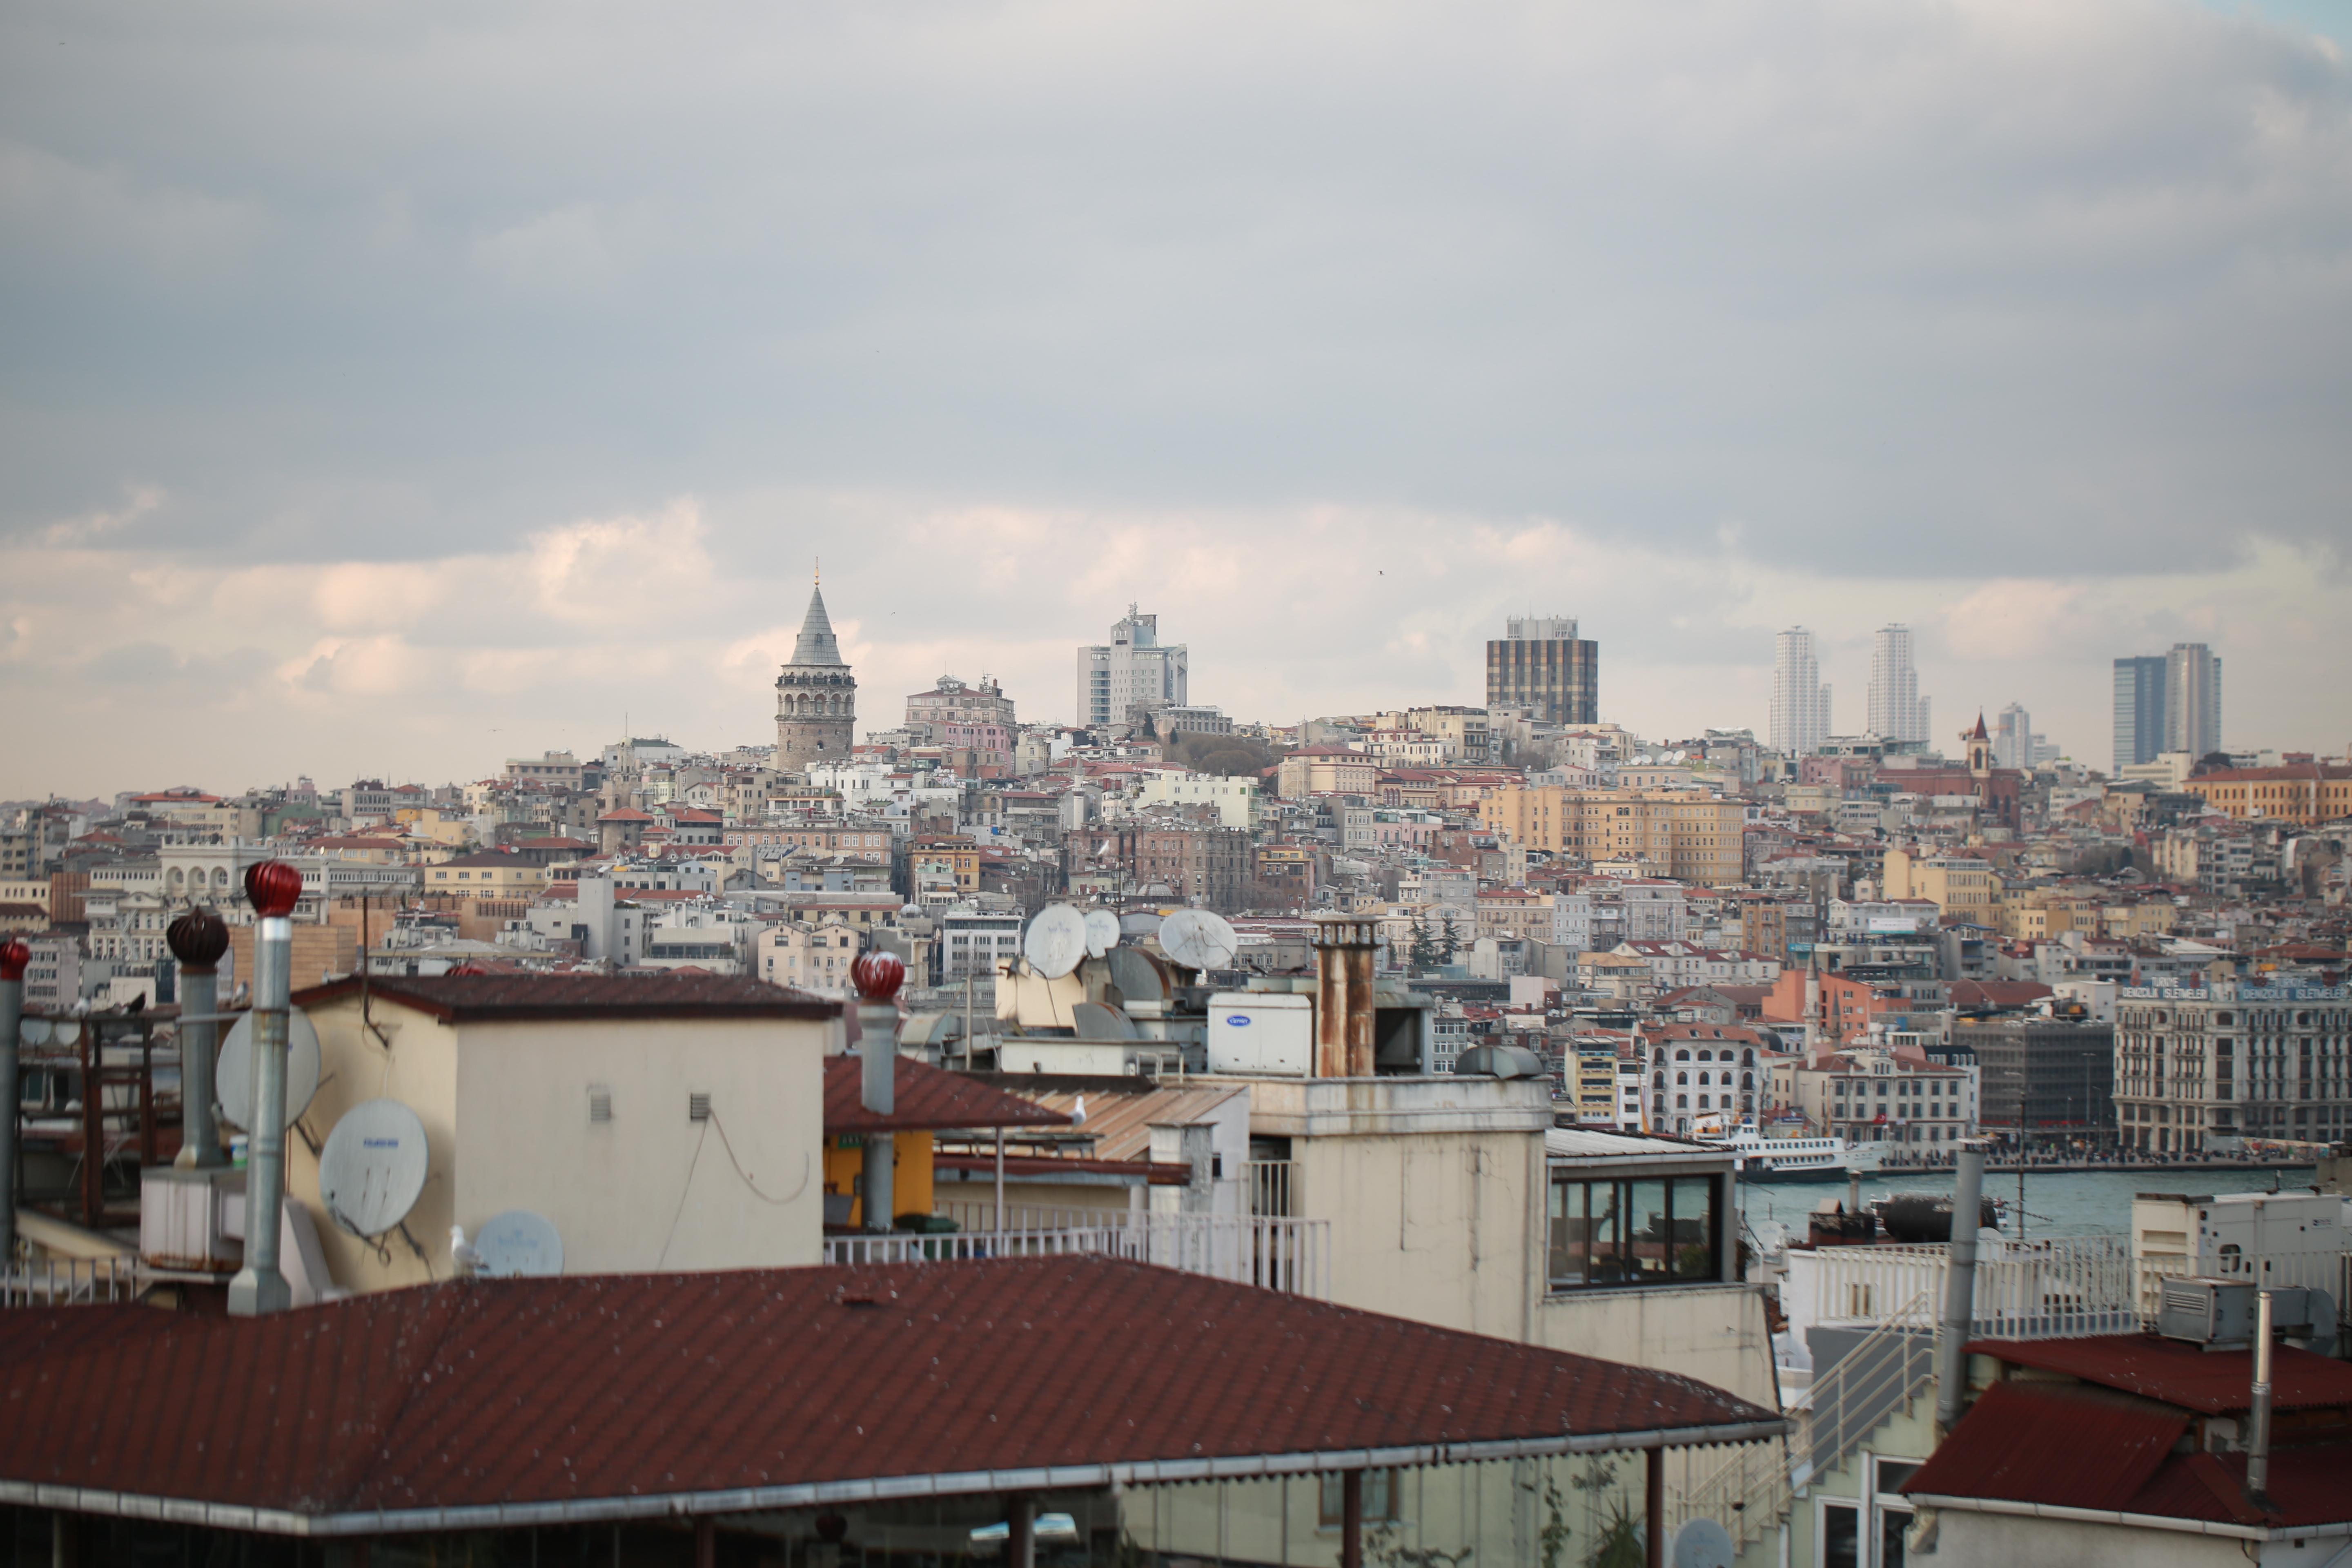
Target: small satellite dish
[519, 1245]
[1702, 1543]
[66, 1031]
[1102, 933]
[372, 1171]
[1096, 1022]
[1198, 939]
[233, 1079]
[34, 1032]
[1054, 941]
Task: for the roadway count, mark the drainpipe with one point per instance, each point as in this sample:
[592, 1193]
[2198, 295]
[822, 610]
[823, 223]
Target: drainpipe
[198, 939]
[273, 887]
[13, 956]
[1351, 1519]
[879, 975]
[1021, 1533]
[2258, 1425]
[1653, 1508]
[1960, 1289]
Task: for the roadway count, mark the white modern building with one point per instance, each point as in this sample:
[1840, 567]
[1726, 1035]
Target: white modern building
[1801, 704]
[1132, 671]
[1897, 711]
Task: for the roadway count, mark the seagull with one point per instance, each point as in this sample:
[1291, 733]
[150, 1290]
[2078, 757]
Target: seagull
[1078, 1112]
[462, 1253]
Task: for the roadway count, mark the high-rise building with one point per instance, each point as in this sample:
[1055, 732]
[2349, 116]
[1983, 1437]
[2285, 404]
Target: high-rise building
[1897, 711]
[2015, 744]
[2192, 700]
[2139, 710]
[1131, 675]
[1801, 704]
[1541, 664]
[816, 696]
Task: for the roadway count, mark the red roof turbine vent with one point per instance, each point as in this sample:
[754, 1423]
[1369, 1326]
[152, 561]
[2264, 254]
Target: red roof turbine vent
[273, 888]
[13, 956]
[879, 975]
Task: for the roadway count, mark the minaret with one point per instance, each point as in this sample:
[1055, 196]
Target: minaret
[817, 697]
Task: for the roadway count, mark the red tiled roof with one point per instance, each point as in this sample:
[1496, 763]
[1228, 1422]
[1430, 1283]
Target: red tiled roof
[466, 999]
[2053, 1443]
[2212, 1382]
[728, 1392]
[925, 1098]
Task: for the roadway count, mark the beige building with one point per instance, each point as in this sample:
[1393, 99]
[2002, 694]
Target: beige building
[583, 1099]
[1235, 800]
[1326, 770]
[1961, 886]
[1690, 836]
[488, 875]
[809, 955]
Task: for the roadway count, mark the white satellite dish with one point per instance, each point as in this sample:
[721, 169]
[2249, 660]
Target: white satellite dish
[1054, 941]
[1198, 939]
[1701, 1543]
[372, 1171]
[1102, 933]
[232, 1078]
[34, 1032]
[519, 1245]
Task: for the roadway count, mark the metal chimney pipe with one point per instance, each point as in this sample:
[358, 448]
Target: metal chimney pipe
[2258, 1421]
[13, 956]
[879, 975]
[1343, 1000]
[274, 887]
[1960, 1287]
[198, 939]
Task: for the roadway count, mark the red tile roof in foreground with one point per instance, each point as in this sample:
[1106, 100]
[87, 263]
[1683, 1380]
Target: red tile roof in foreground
[471, 1404]
[524, 998]
[924, 1097]
[2212, 1383]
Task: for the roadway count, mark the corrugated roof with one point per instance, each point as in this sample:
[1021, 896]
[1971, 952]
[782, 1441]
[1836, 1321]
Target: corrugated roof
[657, 1393]
[1120, 1121]
[479, 998]
[2214, 1382]
[924, 1099]
[2053, 1443]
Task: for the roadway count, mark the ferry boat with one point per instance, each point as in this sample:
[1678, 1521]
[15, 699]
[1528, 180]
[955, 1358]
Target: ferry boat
[1761, 1159]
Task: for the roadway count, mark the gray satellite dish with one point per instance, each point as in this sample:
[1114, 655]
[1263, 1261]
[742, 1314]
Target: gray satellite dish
[1102, 933]
[519, 1245]
[232, 1078]
[65, 1031]
[372, 1171]
[1094, 1021]
[1054, 941]
[1702, 1543]
[1139, 976]
[34, 1032]
[1198, 939]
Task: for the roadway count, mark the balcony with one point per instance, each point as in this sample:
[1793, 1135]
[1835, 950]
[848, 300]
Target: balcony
[1292, 1256]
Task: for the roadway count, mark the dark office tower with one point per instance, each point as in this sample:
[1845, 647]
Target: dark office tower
[2139, 710]
[1539, 664]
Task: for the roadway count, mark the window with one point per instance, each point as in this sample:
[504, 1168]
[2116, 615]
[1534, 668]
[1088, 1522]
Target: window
[1381, 1498]
[1840, 1535]
[1662, 1231]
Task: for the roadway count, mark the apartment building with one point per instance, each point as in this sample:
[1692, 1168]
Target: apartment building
[2198, 1070]
[1690, 836]
[2303, 794]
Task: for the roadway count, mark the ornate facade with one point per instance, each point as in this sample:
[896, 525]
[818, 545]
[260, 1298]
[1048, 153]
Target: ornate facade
[816, 696]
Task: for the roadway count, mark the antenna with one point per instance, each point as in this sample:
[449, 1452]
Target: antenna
[1198, 939]
[1055, 941]
[519, 1245]
[233, 1077]
[1102, 933]
[372, 1169]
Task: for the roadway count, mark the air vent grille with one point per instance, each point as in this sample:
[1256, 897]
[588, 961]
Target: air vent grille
[600, 1103]
[697, 1108]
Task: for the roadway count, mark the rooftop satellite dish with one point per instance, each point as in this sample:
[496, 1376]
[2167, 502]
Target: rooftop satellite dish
[519, 1245]
[34, 1032]
[1094, 1021]
[66, 1031]
[232, 1078]
[372, 1171]
[1138, 975]
[1702, 1543]
[1054, 941]
[1102, 933]
[1198, 939]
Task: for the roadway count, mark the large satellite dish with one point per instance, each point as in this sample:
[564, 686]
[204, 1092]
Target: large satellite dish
[1139, 976]
[1102, 933]
[519, 1245]
[1702, 1543]
[34, 1032]
[1198, 939]
[372, 1171]
[1054, 941]
[1094, 1021]
[232, 1078]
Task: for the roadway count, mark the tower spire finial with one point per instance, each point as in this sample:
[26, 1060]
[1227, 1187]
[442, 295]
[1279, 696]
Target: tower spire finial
[820, 573]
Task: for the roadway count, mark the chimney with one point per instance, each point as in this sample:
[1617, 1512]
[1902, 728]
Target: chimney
[273, 888]
[2258, 1421]
[1343, 1000]
[1958, 1314]
[879, 975]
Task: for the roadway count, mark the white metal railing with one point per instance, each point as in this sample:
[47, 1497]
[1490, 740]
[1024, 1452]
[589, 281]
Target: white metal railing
[2060, 1288]
[1747, 1492]
[70, 1282]
[1273, 1187]
[1287, 1255]
[1881, 1375]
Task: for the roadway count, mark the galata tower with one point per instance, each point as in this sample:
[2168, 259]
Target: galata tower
[817, 697]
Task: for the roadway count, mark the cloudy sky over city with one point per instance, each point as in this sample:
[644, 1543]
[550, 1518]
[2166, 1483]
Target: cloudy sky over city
[391, 389]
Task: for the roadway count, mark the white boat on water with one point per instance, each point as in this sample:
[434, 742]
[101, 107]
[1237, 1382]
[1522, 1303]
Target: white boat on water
[1762, 1159]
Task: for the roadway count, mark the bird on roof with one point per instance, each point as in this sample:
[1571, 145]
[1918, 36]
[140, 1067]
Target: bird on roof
[1078, 1112]
[463, 1254]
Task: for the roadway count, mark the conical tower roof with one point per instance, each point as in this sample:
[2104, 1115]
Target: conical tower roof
[817, 644]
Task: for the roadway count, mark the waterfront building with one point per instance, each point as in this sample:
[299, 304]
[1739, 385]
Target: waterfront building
[2203, 1070]
[2040, 1077]
[1869, 1094]
[1541, 664]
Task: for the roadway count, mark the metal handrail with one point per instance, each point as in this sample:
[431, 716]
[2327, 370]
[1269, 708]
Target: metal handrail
[1886, 1370]
[1287, 1255]
[70, 1282]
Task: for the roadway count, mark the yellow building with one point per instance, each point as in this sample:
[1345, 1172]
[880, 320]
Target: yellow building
[1691, 836]
[2304, 793]
[2145, 916]
[488, 875]
[1961, 886]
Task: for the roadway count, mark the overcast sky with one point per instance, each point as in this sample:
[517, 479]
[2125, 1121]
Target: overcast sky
[394, 388]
